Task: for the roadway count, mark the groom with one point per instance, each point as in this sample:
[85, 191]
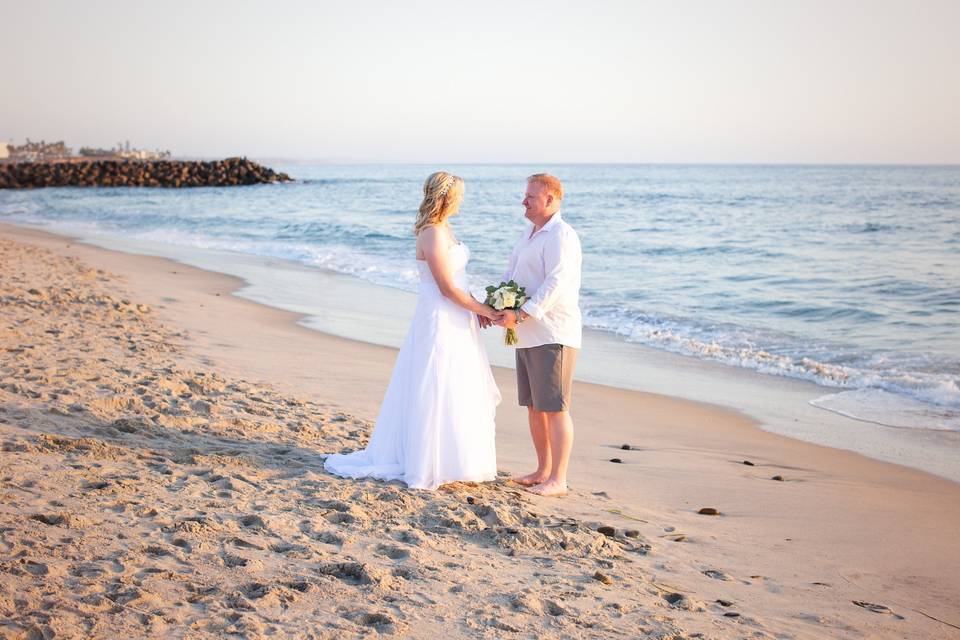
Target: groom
[546, 262]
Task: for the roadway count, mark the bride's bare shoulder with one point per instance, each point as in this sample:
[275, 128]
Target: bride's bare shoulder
[428, 239]
[433, 235]
[427, 233]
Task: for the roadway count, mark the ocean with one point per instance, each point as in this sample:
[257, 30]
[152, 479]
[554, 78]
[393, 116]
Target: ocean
[844, 276]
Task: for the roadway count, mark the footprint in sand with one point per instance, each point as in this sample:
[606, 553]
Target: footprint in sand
[297, 551]
[156, 551]
[405, 572]
[716, 574]
[259, 591]
[303, 586]
[243, 544]
[552, 608]
[231, 560]
[35, 568]
[329, 537]
[333, 505]
[877, 608]
[253, 522]
[355, 573]
[771, 586]
[87, 570]
[393, 552]
[338, 517]
[413, 537]
[199, 593]
[61, 519]
[380, 622]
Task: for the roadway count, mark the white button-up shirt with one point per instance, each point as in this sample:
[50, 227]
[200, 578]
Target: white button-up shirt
[547, 264]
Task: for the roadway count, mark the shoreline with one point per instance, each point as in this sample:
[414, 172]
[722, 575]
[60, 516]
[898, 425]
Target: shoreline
[347, 307]
[879, 526]
[795, 394]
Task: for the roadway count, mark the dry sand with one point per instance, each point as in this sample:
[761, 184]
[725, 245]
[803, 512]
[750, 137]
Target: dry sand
[162, 476]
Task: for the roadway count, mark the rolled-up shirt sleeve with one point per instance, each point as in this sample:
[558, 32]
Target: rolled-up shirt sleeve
[561, 263]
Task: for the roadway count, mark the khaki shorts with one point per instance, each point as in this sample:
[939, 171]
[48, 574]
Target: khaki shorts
[545, 376]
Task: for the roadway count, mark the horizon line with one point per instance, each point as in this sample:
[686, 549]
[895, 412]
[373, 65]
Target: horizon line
[328, 161]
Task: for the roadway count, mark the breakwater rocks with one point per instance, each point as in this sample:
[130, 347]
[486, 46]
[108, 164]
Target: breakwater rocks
[124, 173]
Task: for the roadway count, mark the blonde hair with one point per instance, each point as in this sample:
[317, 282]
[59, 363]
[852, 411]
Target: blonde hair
[550, 183]
[442, 193]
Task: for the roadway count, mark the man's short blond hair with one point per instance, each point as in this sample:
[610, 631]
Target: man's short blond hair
[550, 183]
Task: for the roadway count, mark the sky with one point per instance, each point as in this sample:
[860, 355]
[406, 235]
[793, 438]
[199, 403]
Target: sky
[717, 81]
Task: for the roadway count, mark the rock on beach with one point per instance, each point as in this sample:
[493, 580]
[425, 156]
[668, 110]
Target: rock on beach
[152, 173]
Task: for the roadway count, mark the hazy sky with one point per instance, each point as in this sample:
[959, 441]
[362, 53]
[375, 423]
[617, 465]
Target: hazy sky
[588, 81]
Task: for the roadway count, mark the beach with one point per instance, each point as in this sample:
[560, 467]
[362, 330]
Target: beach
[745, 219]
[162, 476]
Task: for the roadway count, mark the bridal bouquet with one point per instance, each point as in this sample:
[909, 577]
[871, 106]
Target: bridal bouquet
[509, 295]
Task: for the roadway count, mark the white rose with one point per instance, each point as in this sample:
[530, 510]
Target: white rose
[509, 298]
[498, 300]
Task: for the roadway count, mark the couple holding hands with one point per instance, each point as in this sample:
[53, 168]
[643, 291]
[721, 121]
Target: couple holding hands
[437, 421]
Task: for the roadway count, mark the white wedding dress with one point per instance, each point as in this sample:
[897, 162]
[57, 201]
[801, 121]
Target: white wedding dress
[436, 424]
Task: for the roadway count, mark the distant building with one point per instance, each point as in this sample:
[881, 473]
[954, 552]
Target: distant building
[39, 151]
[91, 152]
[123, 151]
[51, 151]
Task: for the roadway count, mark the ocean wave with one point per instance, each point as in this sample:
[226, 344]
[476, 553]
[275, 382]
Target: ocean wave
[735, 346]
[729, 344]
[386, 270]
[889, 410]
[324, 231]
[336, 182]
[871, 227]
[707, 250]
[784, 270]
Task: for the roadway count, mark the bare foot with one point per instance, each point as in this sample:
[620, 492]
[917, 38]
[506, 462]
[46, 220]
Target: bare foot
[549, 488]
[531, 479]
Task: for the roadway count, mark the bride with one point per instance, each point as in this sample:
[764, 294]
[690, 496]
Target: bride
[436, 423]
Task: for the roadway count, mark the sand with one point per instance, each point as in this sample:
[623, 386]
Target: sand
[161, 472]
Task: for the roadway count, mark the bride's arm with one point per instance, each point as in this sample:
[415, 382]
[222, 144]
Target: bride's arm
[435, 249]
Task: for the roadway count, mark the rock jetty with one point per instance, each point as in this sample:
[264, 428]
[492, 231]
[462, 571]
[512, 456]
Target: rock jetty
[150, 173]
